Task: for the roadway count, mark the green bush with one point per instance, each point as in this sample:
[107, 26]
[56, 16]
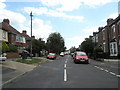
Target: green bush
[12, 48]
[98, 52]
[98, 49]
[5, 47]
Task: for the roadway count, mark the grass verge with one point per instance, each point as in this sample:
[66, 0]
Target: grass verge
[31, 61]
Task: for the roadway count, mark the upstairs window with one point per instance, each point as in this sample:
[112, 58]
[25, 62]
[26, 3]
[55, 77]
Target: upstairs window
[113, 31]
[104, 34]
[4, 35]
[17, 38]
[119, 28]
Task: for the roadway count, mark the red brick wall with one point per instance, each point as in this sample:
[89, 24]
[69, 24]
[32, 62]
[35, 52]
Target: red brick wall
[12, 55]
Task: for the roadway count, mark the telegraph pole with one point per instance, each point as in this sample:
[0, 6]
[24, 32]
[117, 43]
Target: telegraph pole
[31, 35]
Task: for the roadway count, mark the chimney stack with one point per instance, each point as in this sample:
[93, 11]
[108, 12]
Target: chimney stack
[24, 32]
[100, 29]
[6, 20]
[109, 21]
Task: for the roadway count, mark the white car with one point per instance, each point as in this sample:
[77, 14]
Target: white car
[62, 54]
[3, 57]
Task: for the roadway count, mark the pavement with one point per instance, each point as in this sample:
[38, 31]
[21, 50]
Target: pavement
[12, 70]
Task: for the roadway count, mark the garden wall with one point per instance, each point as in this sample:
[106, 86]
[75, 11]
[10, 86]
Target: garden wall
[12, 55]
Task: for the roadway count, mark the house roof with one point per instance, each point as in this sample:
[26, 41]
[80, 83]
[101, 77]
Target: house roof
[10, 29]
[115, 20]
[26, 36]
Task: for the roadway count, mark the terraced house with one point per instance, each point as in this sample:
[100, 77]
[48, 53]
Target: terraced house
[109, 38]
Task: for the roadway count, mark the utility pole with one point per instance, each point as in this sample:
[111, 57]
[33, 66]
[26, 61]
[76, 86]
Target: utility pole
[31, 35]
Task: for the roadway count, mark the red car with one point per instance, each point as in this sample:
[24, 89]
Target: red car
[51, 56]
[80, 57]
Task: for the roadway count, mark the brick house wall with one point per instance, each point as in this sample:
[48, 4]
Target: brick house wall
[114, 38]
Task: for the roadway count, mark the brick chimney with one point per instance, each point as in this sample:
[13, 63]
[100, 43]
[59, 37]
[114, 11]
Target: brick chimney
[109, 21]
[100, 29]
[24, 32]
[6, 20]
[33, 37]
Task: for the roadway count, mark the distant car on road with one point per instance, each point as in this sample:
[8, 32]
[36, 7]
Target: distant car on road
[81, 57]
[51, 56]
[62, 54]
[72, 54]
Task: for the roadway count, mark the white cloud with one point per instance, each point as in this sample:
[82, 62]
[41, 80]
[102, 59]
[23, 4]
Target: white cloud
[114, 15]
[70, 5]
[53, 13]
[41, 28]
[90, 30]
[15, 18]
[74, 41]
[50, 2]
[2, 5]
[77, 40]
[94, 3]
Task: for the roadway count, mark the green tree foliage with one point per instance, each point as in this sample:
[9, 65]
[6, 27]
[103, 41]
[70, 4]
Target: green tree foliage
[87, 46]
[98, 52]
[5, 47]
[38, 45]
[55, 43]
[98, 49]
[12, 48]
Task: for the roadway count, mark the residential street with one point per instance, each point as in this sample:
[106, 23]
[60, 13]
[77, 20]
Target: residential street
[64, 73]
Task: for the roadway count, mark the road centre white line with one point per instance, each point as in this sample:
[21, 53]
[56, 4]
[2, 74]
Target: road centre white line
[106, 70]
[65, 75]
[112, 73]
[65, 66]
[101, 69]
[66, 61]
[118, 75]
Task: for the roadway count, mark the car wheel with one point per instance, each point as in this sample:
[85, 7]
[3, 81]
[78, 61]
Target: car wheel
[75, 62]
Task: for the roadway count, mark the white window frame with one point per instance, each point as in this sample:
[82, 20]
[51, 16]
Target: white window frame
[113, 51]
[113, 31]
[4, 34]
[103, 34]
[104, 48]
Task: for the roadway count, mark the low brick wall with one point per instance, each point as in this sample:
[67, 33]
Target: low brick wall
[12, 55]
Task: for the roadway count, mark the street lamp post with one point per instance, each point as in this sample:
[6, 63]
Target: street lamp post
[31, 35]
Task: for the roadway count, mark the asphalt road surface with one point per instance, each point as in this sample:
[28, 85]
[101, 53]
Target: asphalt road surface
[64, 73]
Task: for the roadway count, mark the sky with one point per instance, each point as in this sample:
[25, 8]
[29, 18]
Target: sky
[75, 20]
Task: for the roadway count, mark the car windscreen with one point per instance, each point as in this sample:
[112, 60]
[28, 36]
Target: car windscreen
[51, 54]
[81, 54]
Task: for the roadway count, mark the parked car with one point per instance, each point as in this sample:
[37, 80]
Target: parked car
[3, 57]
[62, 54]
[25, 51]
[51, 56]
[80, 57]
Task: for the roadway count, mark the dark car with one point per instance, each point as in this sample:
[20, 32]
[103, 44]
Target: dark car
[51, 56]
[23, 51]
[81, 57]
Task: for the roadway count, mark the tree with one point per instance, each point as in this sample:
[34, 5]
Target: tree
[55, 43]
[37, 46]
[87, 46]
